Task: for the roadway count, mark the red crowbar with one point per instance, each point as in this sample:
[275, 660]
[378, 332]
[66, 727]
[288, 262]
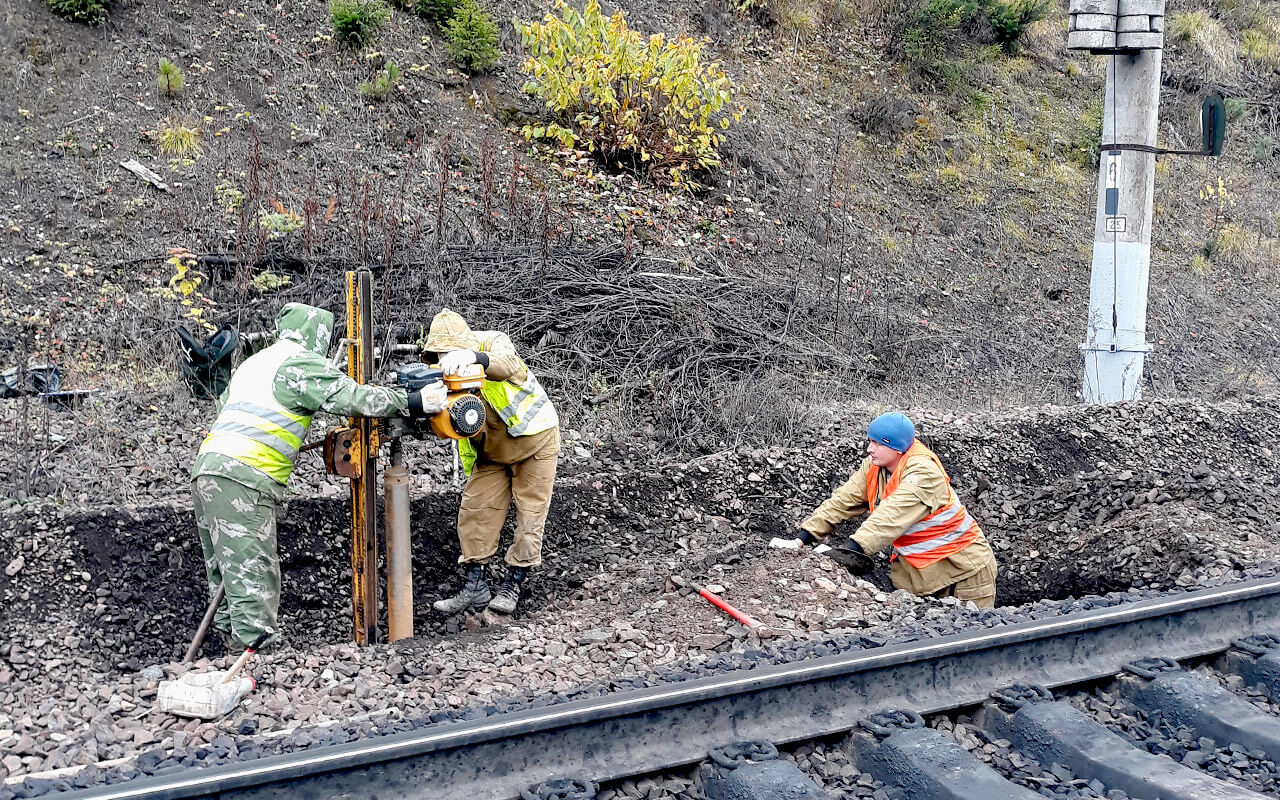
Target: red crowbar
[715, 600]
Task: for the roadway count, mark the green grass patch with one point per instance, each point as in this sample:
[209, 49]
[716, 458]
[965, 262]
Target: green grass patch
[383, 85]
[356, 22]
[89, 12]
[179, 140]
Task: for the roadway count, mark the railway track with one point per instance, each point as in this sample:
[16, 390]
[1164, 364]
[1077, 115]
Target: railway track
[1010, 672]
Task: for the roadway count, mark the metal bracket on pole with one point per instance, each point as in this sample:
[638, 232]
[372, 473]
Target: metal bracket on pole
[1213, 130]
[1160, 151]
[364, 541]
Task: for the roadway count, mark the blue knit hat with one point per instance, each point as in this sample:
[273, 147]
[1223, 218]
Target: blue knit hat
[894, 430]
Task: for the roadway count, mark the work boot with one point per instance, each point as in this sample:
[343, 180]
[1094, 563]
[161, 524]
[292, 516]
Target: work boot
[228, 643]
[235, 646]
[504, 602]
[473, 594]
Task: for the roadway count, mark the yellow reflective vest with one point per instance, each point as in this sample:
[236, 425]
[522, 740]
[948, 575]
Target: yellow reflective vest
[252, 427]
[524, 408]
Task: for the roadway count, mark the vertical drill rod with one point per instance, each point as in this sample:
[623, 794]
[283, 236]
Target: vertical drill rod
[364, 541]
[395, 495]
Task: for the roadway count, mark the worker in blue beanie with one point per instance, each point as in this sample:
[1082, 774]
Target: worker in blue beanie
[937, 547]
[894, 430]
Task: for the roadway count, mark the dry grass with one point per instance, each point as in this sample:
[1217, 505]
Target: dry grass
[179, 140]
[1207, 38]
[906, 246]
[798, 18]
[1260, 45]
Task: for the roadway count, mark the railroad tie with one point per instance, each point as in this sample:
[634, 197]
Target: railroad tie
[1190, 699]
[1056, 732]
[753, 771]
[1255, 658]
[897, 749]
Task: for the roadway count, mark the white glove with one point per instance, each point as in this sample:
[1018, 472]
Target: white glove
[785, 544]
[455, 360]
[434, 398]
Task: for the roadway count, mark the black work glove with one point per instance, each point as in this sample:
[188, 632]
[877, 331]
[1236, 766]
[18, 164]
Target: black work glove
[852, 557]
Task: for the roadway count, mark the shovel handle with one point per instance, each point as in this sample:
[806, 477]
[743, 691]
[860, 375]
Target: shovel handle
[240, 662]
[719, 603]
[203, 630]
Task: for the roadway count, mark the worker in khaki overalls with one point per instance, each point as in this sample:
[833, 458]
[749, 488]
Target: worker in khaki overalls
[513, 458]
[938, 548]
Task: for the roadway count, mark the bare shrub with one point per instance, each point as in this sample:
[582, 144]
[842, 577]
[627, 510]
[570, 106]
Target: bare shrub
[884, 115]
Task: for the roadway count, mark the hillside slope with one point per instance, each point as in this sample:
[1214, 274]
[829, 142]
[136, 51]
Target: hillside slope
[911, 241]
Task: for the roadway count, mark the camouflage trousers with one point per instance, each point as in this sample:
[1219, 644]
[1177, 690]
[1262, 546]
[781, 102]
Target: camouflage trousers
[237, 528]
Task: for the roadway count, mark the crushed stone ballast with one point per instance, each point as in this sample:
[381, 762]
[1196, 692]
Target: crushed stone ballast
[660, 727]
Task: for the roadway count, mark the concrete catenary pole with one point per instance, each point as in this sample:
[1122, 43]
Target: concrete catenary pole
[1115, 345]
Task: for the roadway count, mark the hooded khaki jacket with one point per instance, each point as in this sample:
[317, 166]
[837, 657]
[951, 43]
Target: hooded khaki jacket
[922, 490]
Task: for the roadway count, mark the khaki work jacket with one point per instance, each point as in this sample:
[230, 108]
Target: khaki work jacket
[922, 491]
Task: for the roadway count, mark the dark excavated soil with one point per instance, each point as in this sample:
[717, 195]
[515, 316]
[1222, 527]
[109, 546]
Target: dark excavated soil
[1074, 501]
[1125, 501]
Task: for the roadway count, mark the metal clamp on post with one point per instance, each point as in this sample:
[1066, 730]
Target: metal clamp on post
[1213, 132]
[343, 452]
[1150, 668]
[1020, 694]
[1257, 644]
[562, 788]
[732, 756]
[884, 723]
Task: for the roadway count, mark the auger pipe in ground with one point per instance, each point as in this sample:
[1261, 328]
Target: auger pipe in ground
[395, 491]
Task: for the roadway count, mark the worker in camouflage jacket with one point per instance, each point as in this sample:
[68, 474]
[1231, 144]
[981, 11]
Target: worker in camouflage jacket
[513, 459]
[911, 509]
[244, 464]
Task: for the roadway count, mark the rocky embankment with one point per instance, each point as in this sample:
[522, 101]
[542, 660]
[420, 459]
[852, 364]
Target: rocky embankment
[1085, 507]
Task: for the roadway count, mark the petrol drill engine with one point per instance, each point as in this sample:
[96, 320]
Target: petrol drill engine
[463, 417]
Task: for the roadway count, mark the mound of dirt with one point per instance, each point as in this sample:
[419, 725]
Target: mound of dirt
[1072, 500]
[1069, 499]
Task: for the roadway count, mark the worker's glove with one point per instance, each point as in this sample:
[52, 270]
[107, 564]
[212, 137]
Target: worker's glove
[430, 399]
[455, 360]
[852, 557]
[785, 544]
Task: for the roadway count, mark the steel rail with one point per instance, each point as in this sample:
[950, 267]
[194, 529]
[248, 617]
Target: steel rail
[660, 727]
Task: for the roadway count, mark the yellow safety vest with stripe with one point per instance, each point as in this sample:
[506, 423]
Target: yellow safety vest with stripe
[252, 427]
[525, 409]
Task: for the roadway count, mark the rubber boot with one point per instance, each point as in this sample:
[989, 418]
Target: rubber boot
[473, 594]
[218, 642]
[504, 602]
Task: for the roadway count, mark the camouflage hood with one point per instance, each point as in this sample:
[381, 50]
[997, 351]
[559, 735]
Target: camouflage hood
[307, 325]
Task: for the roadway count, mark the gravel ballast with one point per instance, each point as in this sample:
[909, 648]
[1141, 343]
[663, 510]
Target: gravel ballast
[102, 599]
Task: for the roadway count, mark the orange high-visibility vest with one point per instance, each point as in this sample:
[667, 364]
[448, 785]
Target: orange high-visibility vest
[948, 530]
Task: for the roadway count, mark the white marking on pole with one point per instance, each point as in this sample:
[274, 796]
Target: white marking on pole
[1113, 169]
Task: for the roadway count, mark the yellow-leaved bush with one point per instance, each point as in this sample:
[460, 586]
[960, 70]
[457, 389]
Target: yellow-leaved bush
[636, 101]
